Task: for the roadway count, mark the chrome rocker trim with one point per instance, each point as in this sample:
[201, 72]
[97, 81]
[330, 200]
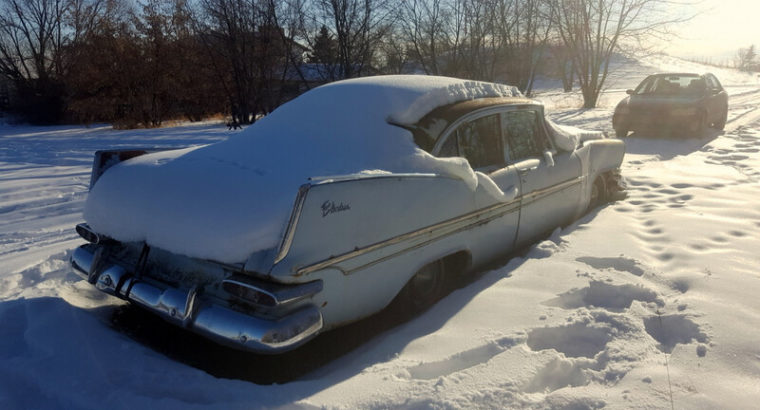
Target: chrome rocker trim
[183, 308]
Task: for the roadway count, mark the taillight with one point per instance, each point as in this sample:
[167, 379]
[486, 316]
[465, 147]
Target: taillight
[249, 293]
[268, 294]
[88, 234]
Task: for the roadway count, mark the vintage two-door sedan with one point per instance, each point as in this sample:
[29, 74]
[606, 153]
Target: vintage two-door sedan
[356, 194]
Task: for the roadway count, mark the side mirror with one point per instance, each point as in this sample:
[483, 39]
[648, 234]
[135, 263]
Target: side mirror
[629, 91]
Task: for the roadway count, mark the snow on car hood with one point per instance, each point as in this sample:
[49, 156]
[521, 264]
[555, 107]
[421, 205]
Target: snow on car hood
[568, 138]
[227, 200]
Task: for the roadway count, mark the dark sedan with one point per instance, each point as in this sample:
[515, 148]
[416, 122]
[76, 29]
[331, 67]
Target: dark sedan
[673, 103]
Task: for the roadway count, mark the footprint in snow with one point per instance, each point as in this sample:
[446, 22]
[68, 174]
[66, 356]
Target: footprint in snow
[604, 295]
[462, 360]
[670, 330]
[621, 264]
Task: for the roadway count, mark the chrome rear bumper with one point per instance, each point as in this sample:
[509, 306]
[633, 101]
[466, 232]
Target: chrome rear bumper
[183, 308]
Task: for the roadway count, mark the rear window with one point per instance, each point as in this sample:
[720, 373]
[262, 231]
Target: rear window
[672, 85]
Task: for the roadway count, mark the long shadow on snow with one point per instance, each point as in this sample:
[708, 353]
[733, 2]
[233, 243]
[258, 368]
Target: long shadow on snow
[667, 147]
[365, 336]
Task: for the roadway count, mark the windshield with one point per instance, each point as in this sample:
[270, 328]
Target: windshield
[672, 85]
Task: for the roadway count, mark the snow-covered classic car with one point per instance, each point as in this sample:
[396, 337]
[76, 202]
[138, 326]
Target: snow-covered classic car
[354, 195]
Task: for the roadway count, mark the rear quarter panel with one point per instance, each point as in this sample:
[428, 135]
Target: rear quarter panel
[387, 228]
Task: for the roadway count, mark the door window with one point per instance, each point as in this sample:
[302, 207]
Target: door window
[479, 141]
[712, 83]
[523, 136]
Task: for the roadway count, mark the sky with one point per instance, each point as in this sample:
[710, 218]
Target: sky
[717, 32]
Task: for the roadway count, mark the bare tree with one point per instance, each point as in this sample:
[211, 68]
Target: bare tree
[245, 46]
[480, 39]
[522, 28]
[422, 24]
[34, 38]
[358, 27]
[746, 59]
[594, 29]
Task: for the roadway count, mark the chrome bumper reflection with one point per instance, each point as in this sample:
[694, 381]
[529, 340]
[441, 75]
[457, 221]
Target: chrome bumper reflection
[183, 308]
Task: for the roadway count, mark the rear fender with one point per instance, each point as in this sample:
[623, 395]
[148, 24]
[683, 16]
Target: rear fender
[598, 157]
[372, 214]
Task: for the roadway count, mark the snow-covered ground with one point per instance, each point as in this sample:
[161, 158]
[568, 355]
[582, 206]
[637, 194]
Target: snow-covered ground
[651, 301]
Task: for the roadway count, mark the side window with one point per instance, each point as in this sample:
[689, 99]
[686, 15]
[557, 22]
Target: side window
[524, 138]
[480, 142]
[712, 83]
[450, 148]
[646, 86]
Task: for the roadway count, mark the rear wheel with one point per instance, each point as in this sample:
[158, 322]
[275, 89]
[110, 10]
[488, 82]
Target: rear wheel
[425, 287]
[599, 194]
[721, 123]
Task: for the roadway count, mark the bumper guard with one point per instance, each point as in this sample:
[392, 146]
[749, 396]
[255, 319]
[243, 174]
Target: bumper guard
[182, 307]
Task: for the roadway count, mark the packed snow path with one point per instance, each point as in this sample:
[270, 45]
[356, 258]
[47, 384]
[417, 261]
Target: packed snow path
[646, 302]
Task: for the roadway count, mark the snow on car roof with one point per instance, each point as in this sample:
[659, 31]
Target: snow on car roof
[227, 200]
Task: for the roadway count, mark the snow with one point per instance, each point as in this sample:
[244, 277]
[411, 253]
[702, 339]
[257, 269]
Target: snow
[251, 179]
[440, 96]
[649, 302]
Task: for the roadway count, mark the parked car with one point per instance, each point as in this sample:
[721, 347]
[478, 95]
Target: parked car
[249, 243]
[673, 102]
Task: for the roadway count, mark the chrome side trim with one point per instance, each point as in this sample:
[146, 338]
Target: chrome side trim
[540, 193]
[287, 239]
[502, 208]
[516, 207]
[475, 216]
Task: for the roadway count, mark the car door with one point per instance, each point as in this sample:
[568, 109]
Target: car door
[479, 139]
[550, 180]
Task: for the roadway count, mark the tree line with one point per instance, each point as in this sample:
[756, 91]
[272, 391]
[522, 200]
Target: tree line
[746, 59]
[141, 62]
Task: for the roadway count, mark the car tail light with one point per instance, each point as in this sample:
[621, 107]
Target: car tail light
[268, 294]
[88, 234]
[249, 293]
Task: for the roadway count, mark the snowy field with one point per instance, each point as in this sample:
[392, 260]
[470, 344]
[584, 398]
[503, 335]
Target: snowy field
[651, 301]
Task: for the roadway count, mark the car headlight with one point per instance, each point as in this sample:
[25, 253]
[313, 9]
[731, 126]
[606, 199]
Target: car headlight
[684, 112]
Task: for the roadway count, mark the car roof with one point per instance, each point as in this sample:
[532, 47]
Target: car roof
[429, 128]
[677, 74]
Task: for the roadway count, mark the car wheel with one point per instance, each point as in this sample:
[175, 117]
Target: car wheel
[599, 193]
[721, 123]
[700, 126]
[424, 288]
[621, 132]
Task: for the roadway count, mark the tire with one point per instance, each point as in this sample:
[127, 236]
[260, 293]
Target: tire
[621, 132]
[599, 194]
[721, 123]
[701, 124]
[424, 288]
